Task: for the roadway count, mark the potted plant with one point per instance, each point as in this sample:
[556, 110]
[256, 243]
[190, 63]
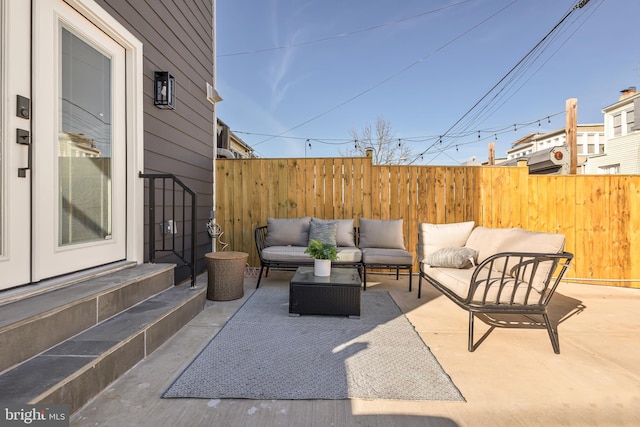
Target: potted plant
[323, 254]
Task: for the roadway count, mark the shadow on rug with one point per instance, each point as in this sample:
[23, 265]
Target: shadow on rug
[263, 353]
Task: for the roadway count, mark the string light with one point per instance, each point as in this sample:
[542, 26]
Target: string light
[417, 139]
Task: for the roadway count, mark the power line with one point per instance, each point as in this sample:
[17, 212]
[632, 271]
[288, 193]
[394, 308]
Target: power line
[403, 70]
[349, 33]
[509, 75]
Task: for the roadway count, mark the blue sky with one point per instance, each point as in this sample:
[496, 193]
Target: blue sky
[292, 70]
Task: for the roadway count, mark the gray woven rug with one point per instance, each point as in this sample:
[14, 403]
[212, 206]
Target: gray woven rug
[263, 353]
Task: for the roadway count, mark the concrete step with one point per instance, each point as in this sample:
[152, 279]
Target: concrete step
[67, 345]
[32, 324]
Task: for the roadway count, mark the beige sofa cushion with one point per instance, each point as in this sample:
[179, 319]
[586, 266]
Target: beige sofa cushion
[458, 281]
[534, 241]
[432, 237]
[488, 241]
[380, 233]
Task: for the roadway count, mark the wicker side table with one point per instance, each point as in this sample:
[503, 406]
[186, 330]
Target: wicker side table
[225, 275]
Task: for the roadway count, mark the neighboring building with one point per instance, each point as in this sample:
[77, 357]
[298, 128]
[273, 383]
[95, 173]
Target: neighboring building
[590, 141]
[622, 138]
[77, 79]
[230, 146]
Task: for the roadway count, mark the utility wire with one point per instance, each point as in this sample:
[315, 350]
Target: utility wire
[391, 76]
[505, 77]
[349, 33]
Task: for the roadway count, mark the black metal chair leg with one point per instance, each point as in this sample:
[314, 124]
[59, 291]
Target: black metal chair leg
[410, 275]
[419, 285]
[260, 276]
[553, 335]
[471, 348]
[364, 278]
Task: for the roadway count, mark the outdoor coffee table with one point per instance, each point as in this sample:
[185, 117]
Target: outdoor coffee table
[336, 294]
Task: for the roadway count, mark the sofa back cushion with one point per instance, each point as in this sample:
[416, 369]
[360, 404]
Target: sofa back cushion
[488, 241]
[432, 237]
[538, 242]
[381, 233]
[344, 233]
[288, 231]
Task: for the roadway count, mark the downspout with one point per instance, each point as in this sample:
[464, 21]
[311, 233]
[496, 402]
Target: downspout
[212, 218]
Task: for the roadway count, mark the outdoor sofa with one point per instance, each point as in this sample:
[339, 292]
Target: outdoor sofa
[374, 244]
[493, 270]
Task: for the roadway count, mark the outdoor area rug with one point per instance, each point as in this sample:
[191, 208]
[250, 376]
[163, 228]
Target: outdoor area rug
[263, 353]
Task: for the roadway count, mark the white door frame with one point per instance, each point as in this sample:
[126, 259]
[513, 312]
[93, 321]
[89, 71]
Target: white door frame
[16, 266]
[43, 240]
[15, 251]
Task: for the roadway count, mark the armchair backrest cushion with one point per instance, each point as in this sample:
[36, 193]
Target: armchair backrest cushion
[432, 237]
[288, 231]
[381, 233]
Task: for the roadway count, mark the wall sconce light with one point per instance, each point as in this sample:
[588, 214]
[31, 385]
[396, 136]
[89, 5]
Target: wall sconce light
[164, 92]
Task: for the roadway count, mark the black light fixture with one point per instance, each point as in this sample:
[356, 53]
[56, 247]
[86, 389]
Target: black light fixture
[164, 92]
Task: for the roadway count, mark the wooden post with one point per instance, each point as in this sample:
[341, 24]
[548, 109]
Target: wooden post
[571, 131]
[492, 154]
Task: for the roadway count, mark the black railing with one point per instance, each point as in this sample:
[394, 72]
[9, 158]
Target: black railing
[163, 216]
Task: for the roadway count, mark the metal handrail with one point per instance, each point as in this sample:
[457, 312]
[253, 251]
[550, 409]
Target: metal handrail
[174, 180]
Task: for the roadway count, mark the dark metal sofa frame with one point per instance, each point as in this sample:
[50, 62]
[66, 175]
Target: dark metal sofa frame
[260, 236]
[524, 270]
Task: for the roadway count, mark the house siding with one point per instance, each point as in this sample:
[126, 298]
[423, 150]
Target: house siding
[177, 37]
[623, 151]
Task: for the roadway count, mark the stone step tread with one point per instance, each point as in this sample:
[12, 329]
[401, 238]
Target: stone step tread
[37, 305]
[42, 372]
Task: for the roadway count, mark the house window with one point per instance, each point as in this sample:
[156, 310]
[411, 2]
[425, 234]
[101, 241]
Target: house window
[609, 169]
[617, 125]
[630, 121]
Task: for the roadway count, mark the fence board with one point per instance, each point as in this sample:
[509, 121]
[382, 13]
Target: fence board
[597, 214]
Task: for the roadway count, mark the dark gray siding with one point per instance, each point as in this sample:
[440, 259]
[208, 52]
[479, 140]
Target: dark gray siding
[177, 37]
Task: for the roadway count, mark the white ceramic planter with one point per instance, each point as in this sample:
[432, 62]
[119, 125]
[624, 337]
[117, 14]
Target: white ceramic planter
[322, 267]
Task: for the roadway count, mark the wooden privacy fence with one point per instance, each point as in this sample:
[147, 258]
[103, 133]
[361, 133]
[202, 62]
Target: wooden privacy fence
[599, 214]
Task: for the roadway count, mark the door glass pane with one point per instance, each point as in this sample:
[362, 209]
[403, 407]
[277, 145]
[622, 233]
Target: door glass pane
[84, 158]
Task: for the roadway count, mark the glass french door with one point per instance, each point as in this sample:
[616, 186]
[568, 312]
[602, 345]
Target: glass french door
[76, 214]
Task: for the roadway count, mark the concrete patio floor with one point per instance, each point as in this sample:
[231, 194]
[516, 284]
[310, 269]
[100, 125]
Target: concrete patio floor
[512, 379]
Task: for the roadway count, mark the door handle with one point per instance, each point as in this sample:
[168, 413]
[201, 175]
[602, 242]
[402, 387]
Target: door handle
[23, 138]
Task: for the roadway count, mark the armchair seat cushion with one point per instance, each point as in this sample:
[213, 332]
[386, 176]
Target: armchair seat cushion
[349, 254]
[386, 256]
[285, 253]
